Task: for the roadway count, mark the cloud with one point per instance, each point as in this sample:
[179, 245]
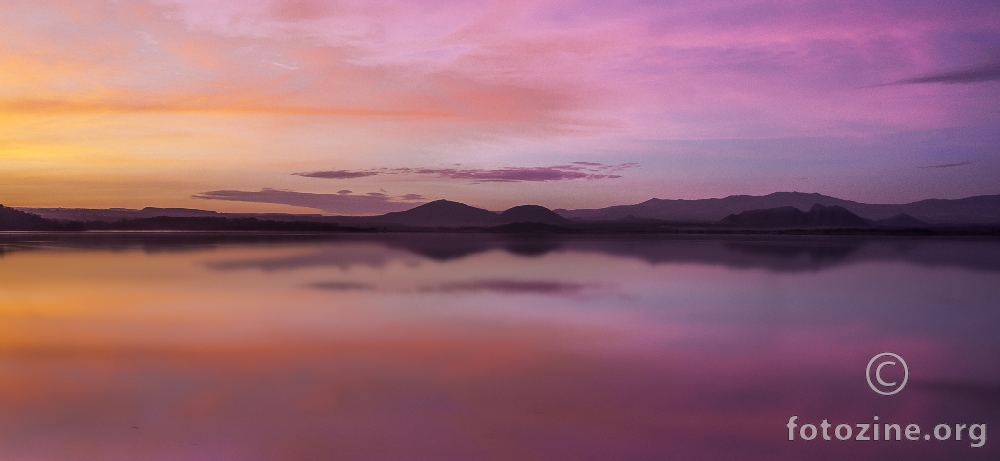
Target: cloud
[339, 203]
[337, 174]
[946, 165]
[983, 73]
[575, 170]
[538, 287]
[342, 286]
[516, 174]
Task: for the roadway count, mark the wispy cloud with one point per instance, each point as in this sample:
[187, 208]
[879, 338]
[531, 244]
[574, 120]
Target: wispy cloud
[538, 287]
[342, 286]
[339, 203]
[337, 174]
[575, 170]
[946, 165]
[982, 73]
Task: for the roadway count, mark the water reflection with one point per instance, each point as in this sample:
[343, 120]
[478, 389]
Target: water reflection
[780, 254]
[486, 347]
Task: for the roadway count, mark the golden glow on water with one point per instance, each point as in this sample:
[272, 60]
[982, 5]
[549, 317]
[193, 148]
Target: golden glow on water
[369, 349]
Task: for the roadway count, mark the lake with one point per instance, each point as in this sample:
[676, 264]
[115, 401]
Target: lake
[175, 346]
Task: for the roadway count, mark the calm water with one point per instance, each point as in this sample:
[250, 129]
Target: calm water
[180, 347]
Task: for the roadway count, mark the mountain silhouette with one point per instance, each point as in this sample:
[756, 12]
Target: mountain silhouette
[834, 216]
[441, 213]
[983, 209]
[14, 220]
[791, 217]
[196, 223]
[901, 220]
[533, 214]
[653, 213]
[532, 228]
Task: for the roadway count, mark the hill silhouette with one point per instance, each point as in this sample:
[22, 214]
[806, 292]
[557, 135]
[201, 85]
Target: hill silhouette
[532, 214]
[212, 224]
[983, 209]
[901, 220]
[654, 215]
[532, 227]
[441, 213]
[791, 217]
[14, 220]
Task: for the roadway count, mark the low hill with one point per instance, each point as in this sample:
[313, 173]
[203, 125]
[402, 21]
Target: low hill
[440, 213]
[118, 214]
[834, 216]
[970, 211]
[14, 220]
[791, 217]
[195, 223]
[532, 227]
[901, 220]
[532, 213]
[984, 209]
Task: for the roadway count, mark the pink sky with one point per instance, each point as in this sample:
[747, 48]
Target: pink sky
[174, 103]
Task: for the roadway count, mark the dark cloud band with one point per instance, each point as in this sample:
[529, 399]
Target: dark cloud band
[338, 174]
[339, 203]
[575, 170]
[946, 165]
[983, 73]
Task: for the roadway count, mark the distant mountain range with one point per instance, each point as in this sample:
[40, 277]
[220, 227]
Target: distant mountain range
[983, 209]
[791, 217]
[16, 220]
[439, 213]
[778, 210]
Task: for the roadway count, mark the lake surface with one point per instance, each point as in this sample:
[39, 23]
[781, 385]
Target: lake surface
[465, 347]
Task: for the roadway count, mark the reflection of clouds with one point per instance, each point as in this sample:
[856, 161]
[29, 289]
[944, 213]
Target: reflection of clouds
[966, 389]
[443, 391]
[340, 256]
[497, 355]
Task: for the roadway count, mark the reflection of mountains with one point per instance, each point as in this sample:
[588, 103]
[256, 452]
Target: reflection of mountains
[775, 254]
[443, 248]
[783, 254]
[806, 254]
[149, 242]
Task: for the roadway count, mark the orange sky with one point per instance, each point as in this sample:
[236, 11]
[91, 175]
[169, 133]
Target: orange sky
[133, 104]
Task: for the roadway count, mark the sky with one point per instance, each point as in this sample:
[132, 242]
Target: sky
[365, 107]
